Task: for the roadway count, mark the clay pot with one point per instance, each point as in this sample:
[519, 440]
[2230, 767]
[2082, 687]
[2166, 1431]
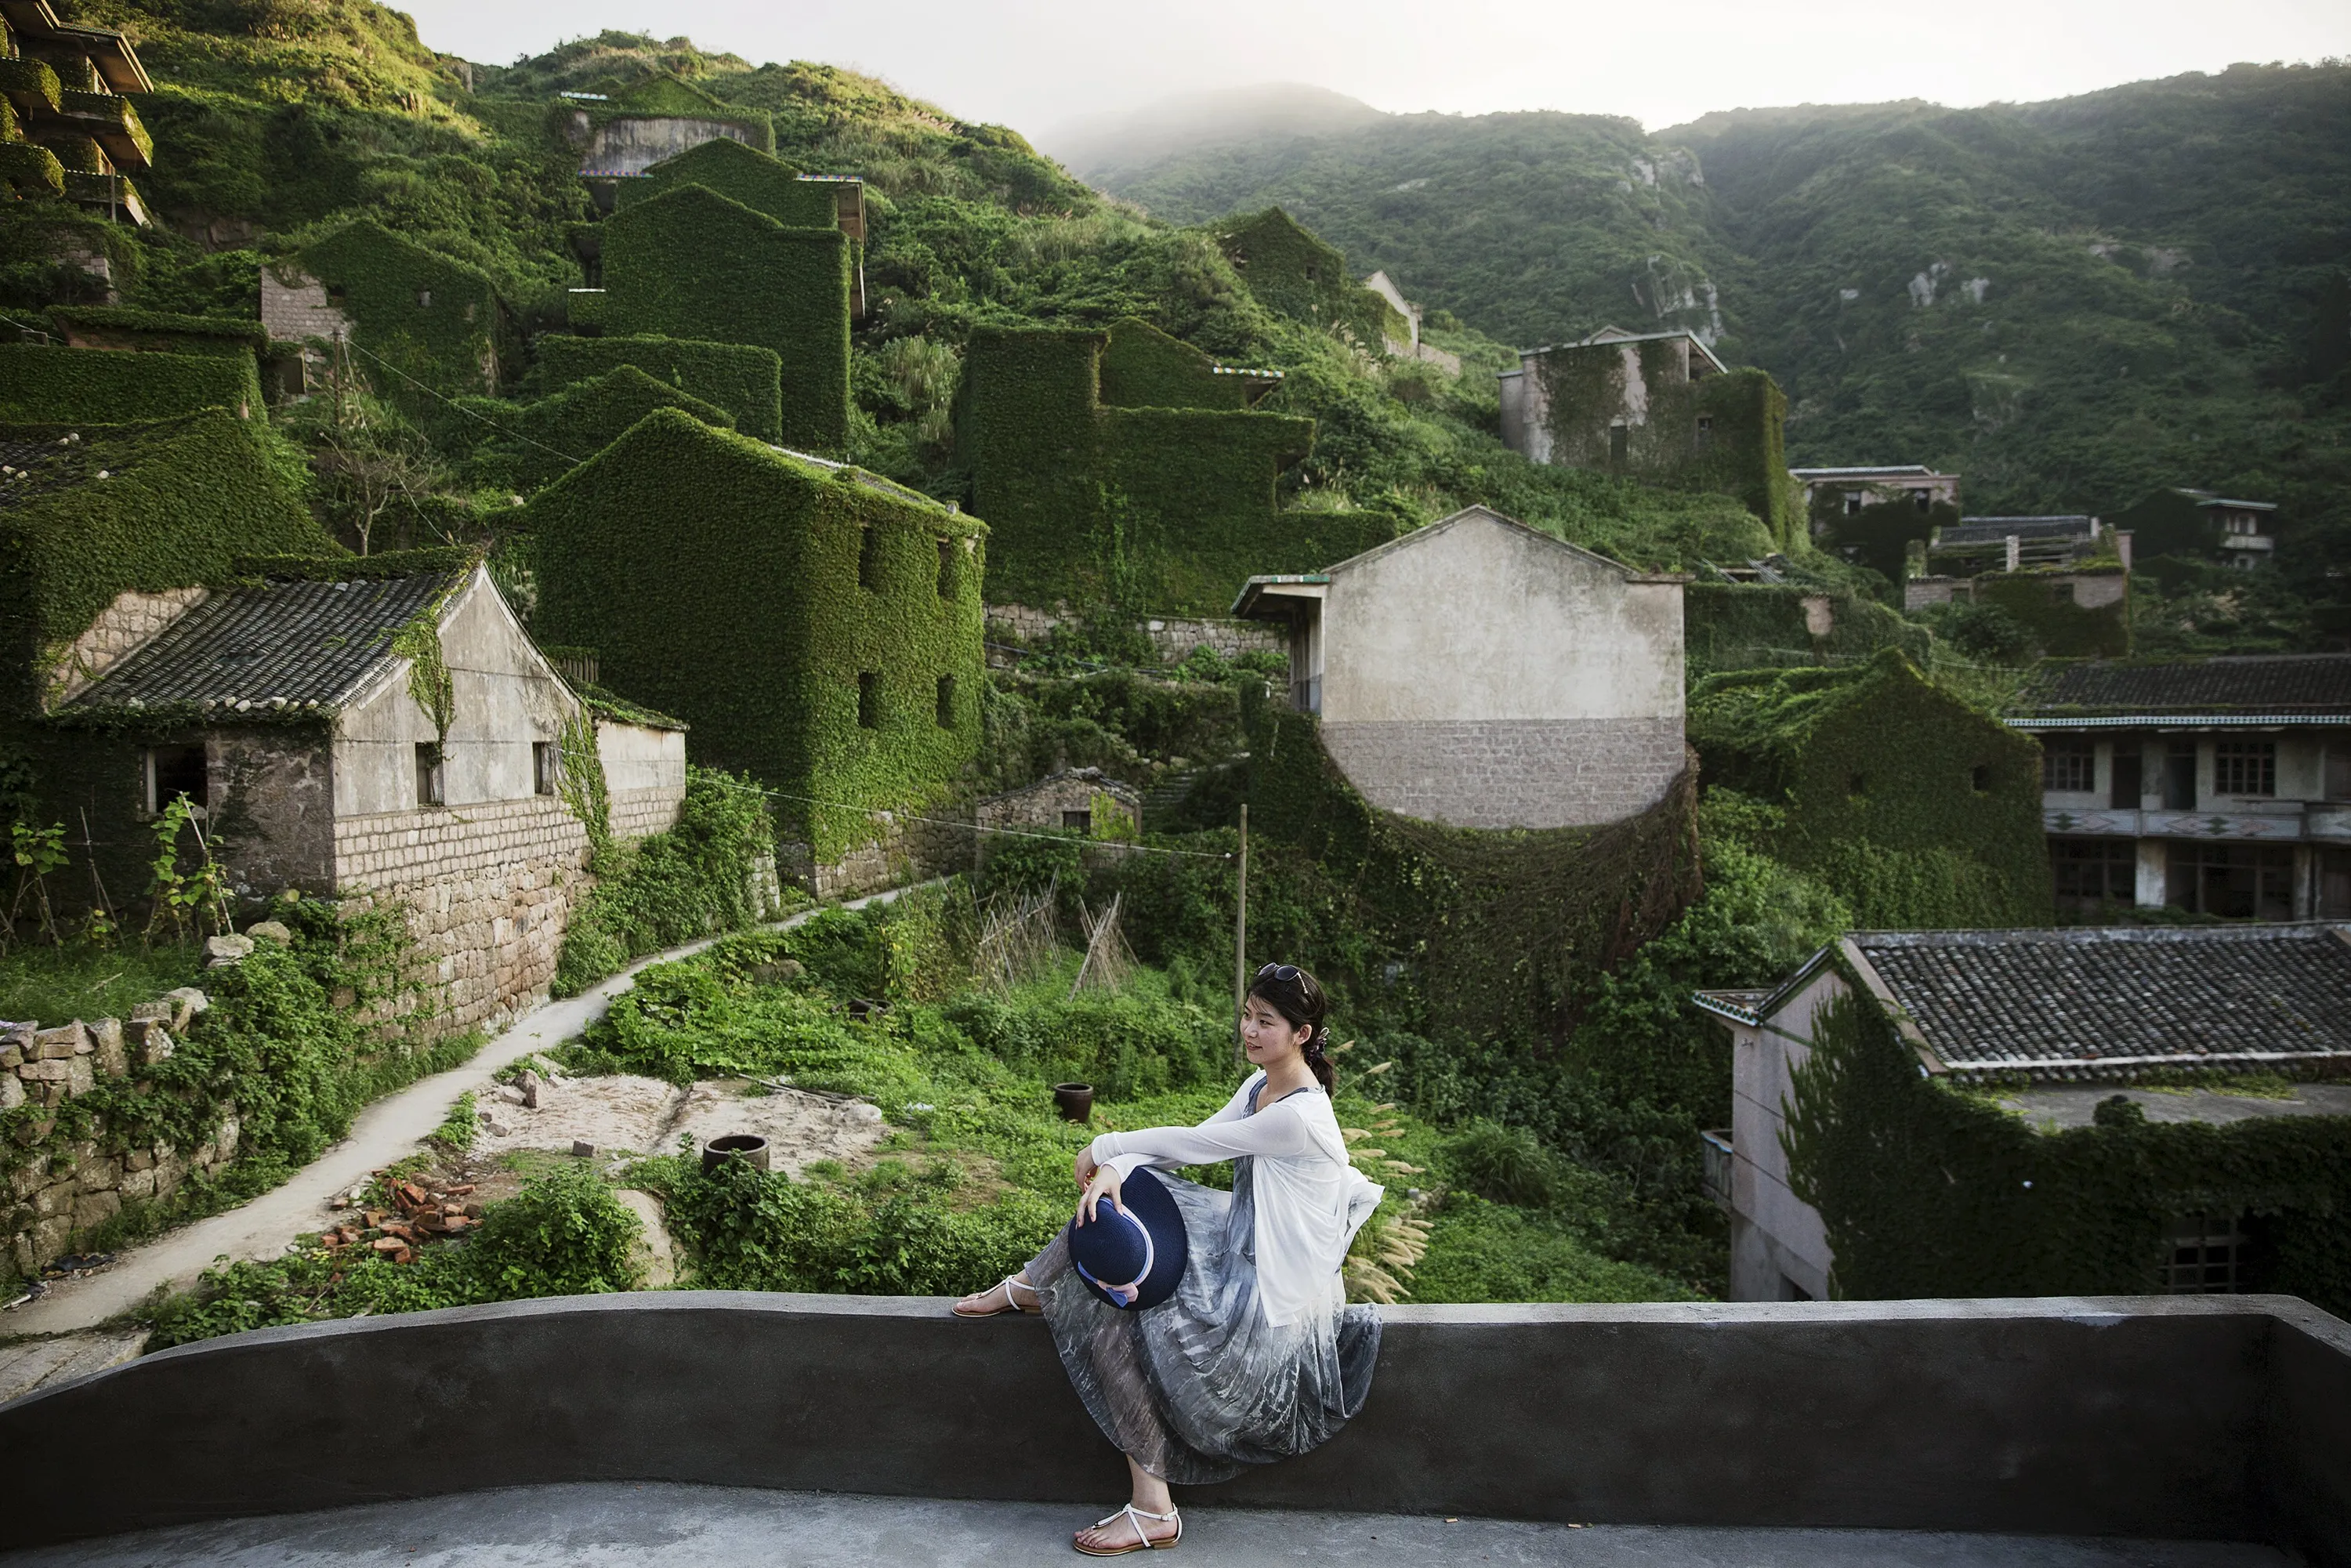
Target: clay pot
[747, 1147]
[1075, 1101]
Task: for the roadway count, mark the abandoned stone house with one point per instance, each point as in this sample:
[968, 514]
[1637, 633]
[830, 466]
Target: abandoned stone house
[1852, 488]
[1659, 406]
[1410, 347]
[2051, 1023]
[1081, 800]
[1479, 673]
[2210, 786]
[371, 737]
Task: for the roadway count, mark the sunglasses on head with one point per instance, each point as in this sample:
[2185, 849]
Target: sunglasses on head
[1286, 973]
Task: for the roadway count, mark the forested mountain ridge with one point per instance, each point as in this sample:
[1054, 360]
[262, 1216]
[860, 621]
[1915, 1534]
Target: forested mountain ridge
[2071, 303]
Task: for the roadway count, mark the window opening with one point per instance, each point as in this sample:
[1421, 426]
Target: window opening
[431, 780]
[2337, 782]
[2235, 881]
[2124, 778]
[174, 771]
[1980, 777]
[1923, 501]
[2244, 768]
[2205, 1255]
[546, 767]
[947, 702]
[946, 568]
[1619, 439]
[1078, 821]
[2334, 885]
[2062, 592]
[1853, 502]
[2180, 776]
[2091, 873]
[869, 700]
[868, 559]
[2070, 765]
[1705, 433]
[1856, 785]
[425, 300]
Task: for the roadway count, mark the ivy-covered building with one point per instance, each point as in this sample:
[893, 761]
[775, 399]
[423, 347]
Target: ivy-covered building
[180, 372]
[66, 125]
[724, 244]
[819, 627]
[1292, 271]
[1847, 491]
[2201, 525]
[1918, 807]
[404, 311]
[2099, 1111]
[372, 729]
[1658, 406]
[2218, 786]
[622, 132]
[1126, 468]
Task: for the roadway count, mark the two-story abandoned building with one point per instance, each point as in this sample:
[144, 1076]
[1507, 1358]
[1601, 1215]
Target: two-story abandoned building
[1851, 489]
[2214, 786]
[2202, 524]
[1479, 673]
[1961, 1114]
[1658, 406]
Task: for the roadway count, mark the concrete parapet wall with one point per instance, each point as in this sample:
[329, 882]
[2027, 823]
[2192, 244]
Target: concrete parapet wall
[2191, 1418]
[1173, 638]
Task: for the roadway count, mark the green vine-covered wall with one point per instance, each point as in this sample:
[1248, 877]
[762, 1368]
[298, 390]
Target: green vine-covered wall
[1142, 367]
[675, 97]
[1918, 808]
[1751, 626]
[1722, 431]
[48, 384]
[1928, 1190]
[745, 174]
[690, 263]
[2043, 602]
[159, 331]
[438, 320]
[743, 379]
[1291, 270]
[744, 614]
[580, 421]
[1160, 509]
[1497, 935]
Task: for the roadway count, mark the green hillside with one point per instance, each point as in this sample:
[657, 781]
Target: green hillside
[2071, 303]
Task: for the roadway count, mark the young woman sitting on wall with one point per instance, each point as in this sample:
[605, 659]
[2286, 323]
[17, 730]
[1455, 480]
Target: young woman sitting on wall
[1208, 1331]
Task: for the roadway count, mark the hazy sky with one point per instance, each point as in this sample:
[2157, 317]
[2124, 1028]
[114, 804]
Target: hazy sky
[1038, 64]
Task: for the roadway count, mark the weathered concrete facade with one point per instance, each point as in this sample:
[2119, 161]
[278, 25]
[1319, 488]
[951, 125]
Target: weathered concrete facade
[644, 775]
[1171, 637]
[630, 144]
[1479, 673]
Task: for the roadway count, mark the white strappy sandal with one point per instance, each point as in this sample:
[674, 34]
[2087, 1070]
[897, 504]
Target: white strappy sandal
[1011, 1303]
[1142, 1543]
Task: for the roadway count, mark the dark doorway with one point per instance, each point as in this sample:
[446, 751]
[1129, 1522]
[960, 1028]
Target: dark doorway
[2124, 784]
[2180, 776]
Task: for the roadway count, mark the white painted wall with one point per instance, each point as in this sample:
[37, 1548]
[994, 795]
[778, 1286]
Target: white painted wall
[507, 698]
[638, 757]
[1477, 618]
[1786, 1236]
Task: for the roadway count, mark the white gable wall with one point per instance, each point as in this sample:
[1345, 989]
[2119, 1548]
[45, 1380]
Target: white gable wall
[1482, 675]
[1779, 1247]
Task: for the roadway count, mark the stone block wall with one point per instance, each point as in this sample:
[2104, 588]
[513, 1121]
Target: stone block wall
[1497, 773]
[121, 627]
[488, 890]
[1173, 638]
[297, 311]
[640, 813]
[1113, 810]
[54, 1189]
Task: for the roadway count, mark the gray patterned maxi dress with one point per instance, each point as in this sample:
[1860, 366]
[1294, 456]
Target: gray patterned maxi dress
[1257, 1356]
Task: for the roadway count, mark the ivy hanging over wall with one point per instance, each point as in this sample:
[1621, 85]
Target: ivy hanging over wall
[1916, 808]
[797, 617]
[1293, 272]
[438, 320]
[742, 174]
[2044, 603]
[583, 420]
[42, 384]
[744, 378]
[158, 331]
[1928, 1190]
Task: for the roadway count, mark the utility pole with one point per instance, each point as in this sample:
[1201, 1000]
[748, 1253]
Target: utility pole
[1240, 941]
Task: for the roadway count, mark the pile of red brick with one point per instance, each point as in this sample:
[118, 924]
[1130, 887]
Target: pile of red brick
[418, 1215]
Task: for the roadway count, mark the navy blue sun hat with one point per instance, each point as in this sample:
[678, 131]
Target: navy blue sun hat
[1131, 1257]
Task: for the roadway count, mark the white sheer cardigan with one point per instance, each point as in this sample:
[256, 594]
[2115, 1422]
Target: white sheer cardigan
[1310, 1200]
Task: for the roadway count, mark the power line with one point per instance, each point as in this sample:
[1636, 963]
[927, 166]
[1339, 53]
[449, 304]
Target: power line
[973, 827]
[461, 408]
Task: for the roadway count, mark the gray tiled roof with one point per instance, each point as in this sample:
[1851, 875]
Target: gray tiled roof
[2113, 1001]
[2285, 683]
[281, 644]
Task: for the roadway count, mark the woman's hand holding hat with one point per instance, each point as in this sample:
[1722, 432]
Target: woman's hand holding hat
[1105, 1184]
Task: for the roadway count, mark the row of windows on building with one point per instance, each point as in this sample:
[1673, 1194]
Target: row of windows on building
[176, 771]
[2235, 881]
[868, 562]
[2246, 770]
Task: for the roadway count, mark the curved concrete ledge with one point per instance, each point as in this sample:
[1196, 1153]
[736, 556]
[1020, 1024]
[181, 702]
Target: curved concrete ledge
[2211, 1418]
